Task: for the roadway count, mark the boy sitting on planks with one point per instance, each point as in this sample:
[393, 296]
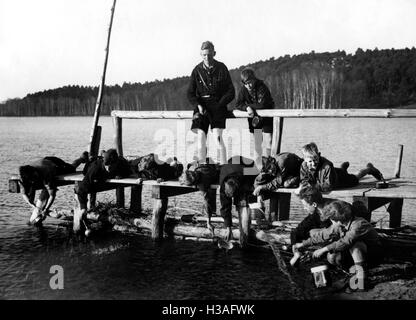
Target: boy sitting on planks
[108, 166]
[252, 96]
[40, 174]
[349, 241]
[321, 172]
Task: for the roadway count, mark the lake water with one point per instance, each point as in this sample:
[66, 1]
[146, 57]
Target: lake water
[132, 267]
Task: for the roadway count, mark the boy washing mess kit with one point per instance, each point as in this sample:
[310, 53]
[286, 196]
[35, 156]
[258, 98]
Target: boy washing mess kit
[349, 241]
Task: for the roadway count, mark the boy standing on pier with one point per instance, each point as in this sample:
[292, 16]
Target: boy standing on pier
[256, 95]
[210, 90]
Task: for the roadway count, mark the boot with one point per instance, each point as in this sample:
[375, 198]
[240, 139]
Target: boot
[374, 172]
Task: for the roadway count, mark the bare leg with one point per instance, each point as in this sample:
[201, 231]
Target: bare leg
[220, 145]
[267, 144]
[202, 146]
[258, 150]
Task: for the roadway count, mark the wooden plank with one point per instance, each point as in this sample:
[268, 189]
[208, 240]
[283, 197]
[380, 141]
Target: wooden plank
[163, 191]
[136, 199]
[286, 113]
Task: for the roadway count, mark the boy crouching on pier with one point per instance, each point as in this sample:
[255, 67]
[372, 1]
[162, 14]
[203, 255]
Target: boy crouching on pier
[350, 241]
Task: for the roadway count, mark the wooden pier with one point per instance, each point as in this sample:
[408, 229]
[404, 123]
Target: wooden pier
[365, 193]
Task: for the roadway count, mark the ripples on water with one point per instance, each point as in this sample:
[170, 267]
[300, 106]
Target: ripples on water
[132, 267]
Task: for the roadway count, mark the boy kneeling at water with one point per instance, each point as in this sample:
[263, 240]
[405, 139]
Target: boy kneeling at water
[236, 182]
[203, 176]
[321, 172]
[41, 174]
[108, 166]
[350, 240]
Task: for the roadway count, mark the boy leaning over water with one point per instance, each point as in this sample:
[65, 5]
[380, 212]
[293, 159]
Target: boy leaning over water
[350, 240]
[321, 172]
[252, 96]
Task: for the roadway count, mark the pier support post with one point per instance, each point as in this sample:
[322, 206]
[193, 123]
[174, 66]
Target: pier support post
[395, 210]
[118, 142]
[244, 220]
[136, 199]
[277, 134]
[280, 206]
[399, 162]
[95, 147]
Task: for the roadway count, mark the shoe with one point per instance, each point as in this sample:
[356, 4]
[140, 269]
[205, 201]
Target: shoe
[345, 165]
[375, 172]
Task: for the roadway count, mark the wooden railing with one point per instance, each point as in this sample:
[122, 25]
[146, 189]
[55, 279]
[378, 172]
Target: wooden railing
[277, 114]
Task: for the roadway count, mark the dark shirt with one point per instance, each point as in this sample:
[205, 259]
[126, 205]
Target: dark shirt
[288, 166]
[324, 176]
[95, 173]
[258, 98]
[215, 82]
[344, 237]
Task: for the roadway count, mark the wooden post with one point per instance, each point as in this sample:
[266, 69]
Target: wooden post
[395, 210]
[280, 206]
[160, 206]
[277, 135]
[136, 199]
[399, 162]
[101, 88]
[244, 222]
[94, 152]
[118, 142]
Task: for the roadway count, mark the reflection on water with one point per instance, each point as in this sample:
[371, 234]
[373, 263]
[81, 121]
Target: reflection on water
[133, 267]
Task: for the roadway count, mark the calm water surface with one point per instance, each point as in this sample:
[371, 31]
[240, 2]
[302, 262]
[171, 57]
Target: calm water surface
[132, 267]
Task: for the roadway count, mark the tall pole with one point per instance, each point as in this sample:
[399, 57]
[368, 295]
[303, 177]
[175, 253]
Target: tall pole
[94, 136]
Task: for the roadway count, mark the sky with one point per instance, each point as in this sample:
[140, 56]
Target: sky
[47, 44]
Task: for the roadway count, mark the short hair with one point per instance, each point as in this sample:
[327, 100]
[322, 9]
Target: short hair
[338, 210]
[310, 194]
[207, 45]
[231, 185]
[110, 156]
[189, 178]
[311, 149]
[248, 74]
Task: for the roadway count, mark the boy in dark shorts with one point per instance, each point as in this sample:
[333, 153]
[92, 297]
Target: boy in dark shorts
[210, 90]
[321, 172]
[40, 174]
[256, 95]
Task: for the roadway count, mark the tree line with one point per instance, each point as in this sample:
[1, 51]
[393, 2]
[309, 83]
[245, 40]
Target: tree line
[365, 79]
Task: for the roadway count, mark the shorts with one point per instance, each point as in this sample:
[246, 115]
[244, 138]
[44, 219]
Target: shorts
[345, 180]
[215, 116]
[266, 125]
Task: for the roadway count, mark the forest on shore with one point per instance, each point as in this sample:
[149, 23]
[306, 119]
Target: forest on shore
[365, 79]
